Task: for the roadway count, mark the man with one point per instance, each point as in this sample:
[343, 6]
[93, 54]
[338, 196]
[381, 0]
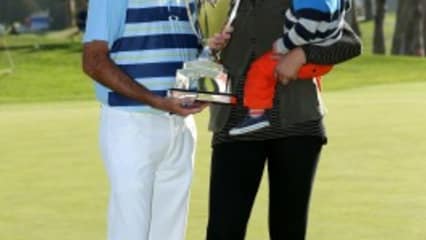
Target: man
[132, 50]
[290, 147]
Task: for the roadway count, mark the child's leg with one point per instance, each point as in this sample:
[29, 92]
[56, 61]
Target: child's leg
[258, 95]
[259, 88]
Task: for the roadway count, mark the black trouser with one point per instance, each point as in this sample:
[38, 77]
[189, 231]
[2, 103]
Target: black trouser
[236, 173]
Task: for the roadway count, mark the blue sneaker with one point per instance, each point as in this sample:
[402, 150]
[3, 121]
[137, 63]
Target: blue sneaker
[250, 124]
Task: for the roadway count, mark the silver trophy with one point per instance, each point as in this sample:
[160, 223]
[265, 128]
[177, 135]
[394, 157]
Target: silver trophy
[204, 79]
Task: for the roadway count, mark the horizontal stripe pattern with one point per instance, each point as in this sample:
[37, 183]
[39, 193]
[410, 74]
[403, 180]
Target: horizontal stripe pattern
[157, 28]
[309, 34]
[309, 25]
[141, 4]
[155, 14]
[156, 41]
[320, 6]
[316, 15]
[116, 99]
[153, 56]
[290, 20]
[184, 41]
[157, 83]
[161, 69]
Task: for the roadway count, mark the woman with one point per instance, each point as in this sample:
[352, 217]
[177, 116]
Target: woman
[290, 147]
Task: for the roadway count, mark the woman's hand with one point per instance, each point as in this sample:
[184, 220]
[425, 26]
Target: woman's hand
[219, 40]
[289, 64]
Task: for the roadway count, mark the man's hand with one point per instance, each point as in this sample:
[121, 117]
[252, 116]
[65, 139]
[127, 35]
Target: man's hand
[289, 64]
[182, 107]
[220, 40]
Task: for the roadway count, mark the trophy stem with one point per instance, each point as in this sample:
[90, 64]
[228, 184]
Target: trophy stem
[207, 54]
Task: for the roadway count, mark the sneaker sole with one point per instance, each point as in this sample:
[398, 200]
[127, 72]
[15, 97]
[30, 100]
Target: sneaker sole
[252, 128]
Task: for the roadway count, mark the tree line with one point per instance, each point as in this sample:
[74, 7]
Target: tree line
[61, 12]
[409, 35]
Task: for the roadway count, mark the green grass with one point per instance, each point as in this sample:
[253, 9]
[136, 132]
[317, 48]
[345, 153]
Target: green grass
[370, 183]
[372, 70]
[51, 72]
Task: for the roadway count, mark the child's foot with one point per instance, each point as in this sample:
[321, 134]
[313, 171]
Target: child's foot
[250, 124]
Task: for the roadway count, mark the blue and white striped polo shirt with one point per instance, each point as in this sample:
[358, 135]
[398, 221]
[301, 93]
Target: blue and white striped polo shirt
[153, 41]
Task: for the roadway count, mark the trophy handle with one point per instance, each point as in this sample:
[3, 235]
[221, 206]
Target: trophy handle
[228, 84]
[203, 85]
[233, 13]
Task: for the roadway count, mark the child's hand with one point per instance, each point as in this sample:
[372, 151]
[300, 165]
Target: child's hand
[219, 40]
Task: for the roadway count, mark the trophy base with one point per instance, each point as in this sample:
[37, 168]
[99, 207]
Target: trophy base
[201, 96]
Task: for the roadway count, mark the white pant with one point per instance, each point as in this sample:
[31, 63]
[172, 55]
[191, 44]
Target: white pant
[149, 160]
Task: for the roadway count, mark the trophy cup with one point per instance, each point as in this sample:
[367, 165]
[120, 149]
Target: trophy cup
[204, 79]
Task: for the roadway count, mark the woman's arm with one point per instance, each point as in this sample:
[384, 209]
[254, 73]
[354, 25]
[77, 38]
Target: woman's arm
[349, 46]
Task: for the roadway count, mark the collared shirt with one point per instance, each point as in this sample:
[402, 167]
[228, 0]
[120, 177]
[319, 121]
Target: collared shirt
[148, 40]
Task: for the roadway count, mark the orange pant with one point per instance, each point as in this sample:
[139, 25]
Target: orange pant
[259, 89]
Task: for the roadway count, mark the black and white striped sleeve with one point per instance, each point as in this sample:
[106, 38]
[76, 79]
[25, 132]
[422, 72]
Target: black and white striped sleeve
[310, 27]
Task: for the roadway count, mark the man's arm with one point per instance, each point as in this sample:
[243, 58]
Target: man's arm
[98, 65]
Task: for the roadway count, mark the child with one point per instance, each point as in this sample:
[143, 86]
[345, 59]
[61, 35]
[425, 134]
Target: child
[318, 22]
